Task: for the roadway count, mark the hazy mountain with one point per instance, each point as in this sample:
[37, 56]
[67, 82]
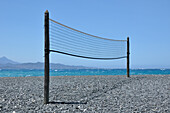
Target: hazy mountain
[4, 60]
[39, 65]
[6, 63]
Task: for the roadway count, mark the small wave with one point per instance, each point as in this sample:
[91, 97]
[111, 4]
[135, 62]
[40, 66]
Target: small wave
[27, 75]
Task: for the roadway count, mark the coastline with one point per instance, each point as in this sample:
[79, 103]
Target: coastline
[107, 93]
[90, 76]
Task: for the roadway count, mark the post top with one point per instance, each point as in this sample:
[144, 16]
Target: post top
[46, 11]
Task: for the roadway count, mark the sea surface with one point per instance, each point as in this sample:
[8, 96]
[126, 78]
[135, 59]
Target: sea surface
[82, 72]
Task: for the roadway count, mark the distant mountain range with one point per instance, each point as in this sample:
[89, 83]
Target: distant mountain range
[6, 63]
[4, 60]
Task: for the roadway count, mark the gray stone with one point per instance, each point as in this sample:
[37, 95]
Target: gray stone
[87, 94]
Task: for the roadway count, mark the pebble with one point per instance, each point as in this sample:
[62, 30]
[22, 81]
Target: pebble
[87, 94]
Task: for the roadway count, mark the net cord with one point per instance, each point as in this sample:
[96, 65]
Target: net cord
[87, 57]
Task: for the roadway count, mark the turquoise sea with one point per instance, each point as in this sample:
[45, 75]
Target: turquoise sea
[82, 72]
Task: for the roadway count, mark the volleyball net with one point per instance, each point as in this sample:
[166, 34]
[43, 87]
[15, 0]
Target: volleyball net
[69, 41]
[62, 39]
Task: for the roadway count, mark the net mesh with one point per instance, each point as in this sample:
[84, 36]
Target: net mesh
[66, 40]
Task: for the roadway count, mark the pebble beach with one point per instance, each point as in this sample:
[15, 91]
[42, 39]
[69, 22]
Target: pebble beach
[88, 94]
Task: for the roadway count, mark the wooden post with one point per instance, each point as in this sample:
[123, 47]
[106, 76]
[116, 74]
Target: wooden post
[46, 60]
[128, 75]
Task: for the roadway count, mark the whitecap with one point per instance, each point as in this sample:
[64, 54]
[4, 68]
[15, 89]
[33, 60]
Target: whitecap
[27, 75]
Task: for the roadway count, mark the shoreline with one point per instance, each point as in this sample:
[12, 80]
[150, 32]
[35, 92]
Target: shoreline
[91, 76]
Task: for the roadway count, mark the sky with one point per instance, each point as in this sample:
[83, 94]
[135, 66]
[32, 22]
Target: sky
[146, 22]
